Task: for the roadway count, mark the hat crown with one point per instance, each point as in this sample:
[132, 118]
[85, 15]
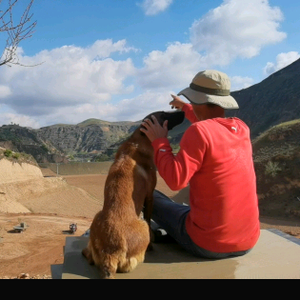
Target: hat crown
[213, 80]
[210, 86]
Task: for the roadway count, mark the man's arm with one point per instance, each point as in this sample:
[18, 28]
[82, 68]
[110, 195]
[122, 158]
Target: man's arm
[178, 170]
[187, 108]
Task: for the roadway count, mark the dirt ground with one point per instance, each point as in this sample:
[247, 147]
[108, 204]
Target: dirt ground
[41, 245]
[37, 248]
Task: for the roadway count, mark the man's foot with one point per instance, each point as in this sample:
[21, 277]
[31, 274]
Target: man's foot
[160, 235]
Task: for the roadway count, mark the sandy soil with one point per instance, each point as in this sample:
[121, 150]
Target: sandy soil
[39, 247]
[77, 201]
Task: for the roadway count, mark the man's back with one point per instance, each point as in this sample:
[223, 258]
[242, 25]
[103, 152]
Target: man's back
[223, 199]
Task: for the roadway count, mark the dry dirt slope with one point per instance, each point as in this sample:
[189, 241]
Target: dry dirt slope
[23, 189]
[48, 206]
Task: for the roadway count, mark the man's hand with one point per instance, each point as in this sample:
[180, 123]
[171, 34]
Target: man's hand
[176, 102]
[153, 130]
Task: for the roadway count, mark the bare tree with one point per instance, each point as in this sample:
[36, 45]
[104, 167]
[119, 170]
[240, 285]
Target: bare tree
[15, 31]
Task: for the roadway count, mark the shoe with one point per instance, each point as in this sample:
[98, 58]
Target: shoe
[160, 235]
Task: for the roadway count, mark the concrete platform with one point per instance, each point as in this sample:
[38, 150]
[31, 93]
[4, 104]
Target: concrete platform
[276, 255]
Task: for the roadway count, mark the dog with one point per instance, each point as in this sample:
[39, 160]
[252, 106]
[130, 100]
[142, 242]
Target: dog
[119, 238]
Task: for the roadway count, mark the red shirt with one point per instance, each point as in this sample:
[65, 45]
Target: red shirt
[215, 159]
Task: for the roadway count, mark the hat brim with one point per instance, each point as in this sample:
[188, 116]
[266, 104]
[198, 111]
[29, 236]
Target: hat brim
[195, 97]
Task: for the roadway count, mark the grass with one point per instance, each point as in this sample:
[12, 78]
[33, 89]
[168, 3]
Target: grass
[17, 157]
[289, 123]
[280, 140]
[282, 126]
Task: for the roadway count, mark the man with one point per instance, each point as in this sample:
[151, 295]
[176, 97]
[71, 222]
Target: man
[215, 160]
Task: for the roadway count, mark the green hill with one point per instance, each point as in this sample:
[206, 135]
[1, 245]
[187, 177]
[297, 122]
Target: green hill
[277, 164]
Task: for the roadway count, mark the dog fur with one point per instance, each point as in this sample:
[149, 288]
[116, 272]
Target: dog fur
[118, 236]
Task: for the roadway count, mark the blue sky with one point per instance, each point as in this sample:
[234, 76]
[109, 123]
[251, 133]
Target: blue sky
[120, 60]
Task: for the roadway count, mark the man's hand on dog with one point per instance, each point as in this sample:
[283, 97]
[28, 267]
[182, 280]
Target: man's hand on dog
[153, 130]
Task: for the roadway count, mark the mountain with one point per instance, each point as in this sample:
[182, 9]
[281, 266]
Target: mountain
[25, 140]
[54, 143]
[92, 135]
[272, 101]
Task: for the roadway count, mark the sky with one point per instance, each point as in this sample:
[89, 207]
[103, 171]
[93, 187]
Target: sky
[119, 60]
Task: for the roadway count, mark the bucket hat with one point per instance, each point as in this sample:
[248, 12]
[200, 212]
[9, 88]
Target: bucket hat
[210, 86]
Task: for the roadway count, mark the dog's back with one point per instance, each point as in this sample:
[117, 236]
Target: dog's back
[118, 237]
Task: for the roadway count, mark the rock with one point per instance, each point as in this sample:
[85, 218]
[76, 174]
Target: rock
[27, 276]
[23, 276]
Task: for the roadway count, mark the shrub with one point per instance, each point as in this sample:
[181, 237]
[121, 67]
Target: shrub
[16, 155]
[8, 153]
[272, 169]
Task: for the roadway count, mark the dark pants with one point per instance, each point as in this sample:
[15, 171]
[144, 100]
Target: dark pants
[171, 217]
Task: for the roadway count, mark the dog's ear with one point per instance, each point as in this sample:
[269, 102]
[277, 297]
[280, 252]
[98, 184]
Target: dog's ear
[141, 126]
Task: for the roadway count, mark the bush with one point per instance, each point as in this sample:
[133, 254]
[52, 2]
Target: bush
[8, 153]
[272, 168]
[16, 155]
[45, 148]
[102, 157]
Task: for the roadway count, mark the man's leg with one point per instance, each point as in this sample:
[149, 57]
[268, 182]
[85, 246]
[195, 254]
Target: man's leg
[170, 216]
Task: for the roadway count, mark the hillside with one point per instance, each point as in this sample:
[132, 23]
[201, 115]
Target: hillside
[53, 143]
[271, 102]
[25, 140]
[90, 136]
[277, 163]
[23, 189]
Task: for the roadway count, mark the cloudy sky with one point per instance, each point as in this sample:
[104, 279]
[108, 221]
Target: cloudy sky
[119, 60]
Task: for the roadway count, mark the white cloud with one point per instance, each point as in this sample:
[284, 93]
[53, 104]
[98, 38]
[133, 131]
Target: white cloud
[282, 60]
[238, 82]
[138, 107]
[237, 28]
[69, 76]
[131, 109]
[171, 68]
[4, 91]
[22, 120]
[154, 7]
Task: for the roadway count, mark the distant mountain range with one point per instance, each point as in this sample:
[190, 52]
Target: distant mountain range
[54, 143]
[271, 102]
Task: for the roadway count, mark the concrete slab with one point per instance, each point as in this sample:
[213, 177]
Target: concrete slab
[274, 256]
[56, 271]
[75, 265]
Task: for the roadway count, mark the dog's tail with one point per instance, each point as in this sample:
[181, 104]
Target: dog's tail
[128, 265]
[124, 266]
[109, 267]
[107, 274]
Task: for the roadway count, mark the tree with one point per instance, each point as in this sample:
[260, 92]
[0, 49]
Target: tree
[15, 31]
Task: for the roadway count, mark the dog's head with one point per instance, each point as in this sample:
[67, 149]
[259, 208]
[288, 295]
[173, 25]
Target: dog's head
[174, 118]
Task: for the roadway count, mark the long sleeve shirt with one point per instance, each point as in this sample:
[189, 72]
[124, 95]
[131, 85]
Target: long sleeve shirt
[215, 159]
